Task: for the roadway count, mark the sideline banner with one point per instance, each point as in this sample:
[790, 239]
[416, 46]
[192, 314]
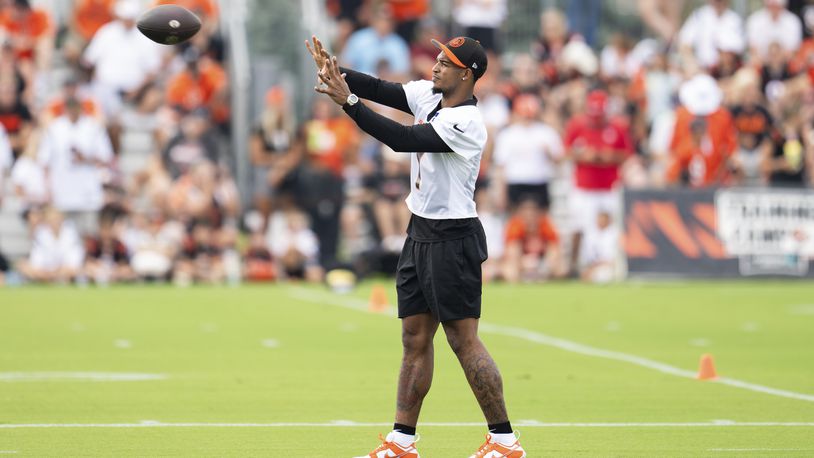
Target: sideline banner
[726, 233]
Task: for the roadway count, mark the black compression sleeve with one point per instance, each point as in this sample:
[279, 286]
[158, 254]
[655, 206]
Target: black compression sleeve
[405, 139]
[376, 90]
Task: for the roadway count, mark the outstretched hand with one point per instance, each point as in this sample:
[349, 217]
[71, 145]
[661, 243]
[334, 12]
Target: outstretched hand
[318, 52]
[331, 82]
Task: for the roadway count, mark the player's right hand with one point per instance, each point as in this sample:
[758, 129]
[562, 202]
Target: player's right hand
[318, 52]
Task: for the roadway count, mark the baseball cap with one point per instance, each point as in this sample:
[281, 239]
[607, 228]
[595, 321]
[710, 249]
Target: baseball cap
[465, 52]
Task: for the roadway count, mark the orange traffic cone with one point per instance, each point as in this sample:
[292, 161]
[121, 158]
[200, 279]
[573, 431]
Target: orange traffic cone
[378, 299]
[706, 369]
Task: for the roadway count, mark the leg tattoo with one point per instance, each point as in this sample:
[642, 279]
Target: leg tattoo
[485, 380]
[415, 379]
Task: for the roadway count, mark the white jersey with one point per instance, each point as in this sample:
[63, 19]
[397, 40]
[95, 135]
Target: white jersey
[442, 185]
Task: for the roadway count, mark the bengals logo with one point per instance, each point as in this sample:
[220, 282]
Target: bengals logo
[456, 42]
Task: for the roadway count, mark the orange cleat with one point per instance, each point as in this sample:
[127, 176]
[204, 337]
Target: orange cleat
[390, 449]
[491, 449]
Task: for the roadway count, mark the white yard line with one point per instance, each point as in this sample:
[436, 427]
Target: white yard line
[353, 424]
[760, 449]
[563, 344]
[78, 377]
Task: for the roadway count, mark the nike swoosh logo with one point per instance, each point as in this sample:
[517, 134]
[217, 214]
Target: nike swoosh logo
[455, 126]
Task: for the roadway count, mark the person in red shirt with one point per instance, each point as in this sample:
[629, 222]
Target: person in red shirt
[31, 31]
[599, 146]
[532, 245]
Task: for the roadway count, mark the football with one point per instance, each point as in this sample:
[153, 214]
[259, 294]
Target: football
[169, 24]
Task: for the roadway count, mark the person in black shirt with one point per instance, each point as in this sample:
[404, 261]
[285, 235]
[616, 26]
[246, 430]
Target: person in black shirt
[270, 150]
[15, 118]
[106, 257]
[792, 157]
[753, 125]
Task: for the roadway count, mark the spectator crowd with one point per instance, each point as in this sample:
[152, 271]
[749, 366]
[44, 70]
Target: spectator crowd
[709, 98]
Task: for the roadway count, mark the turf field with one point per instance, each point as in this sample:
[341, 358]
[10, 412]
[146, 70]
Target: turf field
[292, 371]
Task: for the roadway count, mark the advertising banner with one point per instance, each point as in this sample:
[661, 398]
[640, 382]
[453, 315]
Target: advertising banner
[724, 233]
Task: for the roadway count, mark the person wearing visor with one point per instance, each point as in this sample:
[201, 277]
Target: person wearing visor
[439, 271]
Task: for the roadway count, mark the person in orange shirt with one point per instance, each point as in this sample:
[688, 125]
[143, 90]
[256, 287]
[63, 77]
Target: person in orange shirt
[802, 64]
[532, 245]
[31, 31]
[330, 139]
[207, 10]
[704, 136]
[407, 14]
[699, 160]
[203, 84]
[88, 17]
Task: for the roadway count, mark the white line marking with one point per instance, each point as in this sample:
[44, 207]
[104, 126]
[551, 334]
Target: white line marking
[78, 377]
[353, 424]
[270, 343]
[613, 326]
[803, 309]
[759, 449]
[562, 344]
[123, 344]
[8, 452]
[699, 342]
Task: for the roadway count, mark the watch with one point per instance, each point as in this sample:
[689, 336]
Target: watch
[353, 99]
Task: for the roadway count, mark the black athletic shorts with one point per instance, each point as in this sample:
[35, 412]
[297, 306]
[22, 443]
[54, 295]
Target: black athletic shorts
[439, 270]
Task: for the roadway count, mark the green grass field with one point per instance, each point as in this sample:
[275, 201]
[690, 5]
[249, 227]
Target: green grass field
[291, 371]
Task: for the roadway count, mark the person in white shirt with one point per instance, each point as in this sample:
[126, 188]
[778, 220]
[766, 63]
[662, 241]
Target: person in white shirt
[773, 24]
[527, 152]
[6, 160]
[600, 247]
[123, 60]
[294, 245]
[439, 275]
[56, 251]
[481, 20]
[28, 180]
[706, 28]
[75, 150]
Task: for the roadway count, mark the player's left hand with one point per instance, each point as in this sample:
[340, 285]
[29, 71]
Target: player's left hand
[331, 82]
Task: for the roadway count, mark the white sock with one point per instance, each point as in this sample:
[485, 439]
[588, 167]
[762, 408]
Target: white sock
[504, 439]
[404, 440]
